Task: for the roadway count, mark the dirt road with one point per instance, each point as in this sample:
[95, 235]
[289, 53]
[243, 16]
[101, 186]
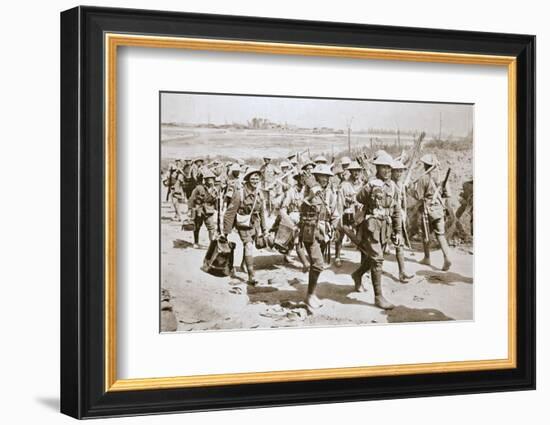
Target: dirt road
[204, 302]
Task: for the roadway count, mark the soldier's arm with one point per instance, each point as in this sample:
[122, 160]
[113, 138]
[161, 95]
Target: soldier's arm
[231, 213]
[193, 197]
[334, 213]
[263, 224]
[396, 216]
[286, 202]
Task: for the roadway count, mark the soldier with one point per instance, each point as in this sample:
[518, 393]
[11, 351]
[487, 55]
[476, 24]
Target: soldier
[174, 181]
[429, 190]
[189, 183]
[345, 162]
[246, 212]
[396, 174]
[320, 160]
[268, 172]
[350, 206]
[308, 167]
[318, 218]
[204, 205]
[380, 223]
[281, 185]
[196, 170]
[466, 205]
[290, 209]
[233, 182]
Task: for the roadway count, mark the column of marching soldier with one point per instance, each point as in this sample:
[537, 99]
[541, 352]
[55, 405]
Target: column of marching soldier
[314, 204]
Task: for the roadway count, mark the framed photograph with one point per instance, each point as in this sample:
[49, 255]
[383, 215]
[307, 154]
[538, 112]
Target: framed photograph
[262, 212]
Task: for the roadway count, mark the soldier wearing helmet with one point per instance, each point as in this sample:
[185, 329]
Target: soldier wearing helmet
[320, 160]
[350, 206]
[318, 218]
[397, 170]
[380, 223]
[430, 191]
[345, 162]
[203, 205]
[233, 182]
[268, 173]
[246, 213]
[175, 183]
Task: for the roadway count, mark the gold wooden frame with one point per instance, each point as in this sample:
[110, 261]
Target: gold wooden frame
[113, 41]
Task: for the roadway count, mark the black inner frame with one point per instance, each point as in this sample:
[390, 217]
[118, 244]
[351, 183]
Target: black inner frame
[82, 207]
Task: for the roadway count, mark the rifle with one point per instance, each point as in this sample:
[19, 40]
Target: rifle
[411, 164]
[442, 186]
[413, 158]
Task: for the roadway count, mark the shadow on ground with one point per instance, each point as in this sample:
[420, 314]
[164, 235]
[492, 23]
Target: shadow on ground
[444, 278]
[325, 290]
[402, 314]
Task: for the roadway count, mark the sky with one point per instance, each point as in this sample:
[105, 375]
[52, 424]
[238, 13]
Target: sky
[456, 119]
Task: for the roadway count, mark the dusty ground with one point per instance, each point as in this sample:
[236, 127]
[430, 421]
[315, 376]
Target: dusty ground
[204, 302]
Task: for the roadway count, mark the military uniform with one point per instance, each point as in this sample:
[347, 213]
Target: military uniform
[176, 186]
[290, 207]
[379, 220]
[349, 207]
[318, 217]
[428, 190]
[268, 174]
[399, 240]
[203, 204]
[246, 213]
[466, 204]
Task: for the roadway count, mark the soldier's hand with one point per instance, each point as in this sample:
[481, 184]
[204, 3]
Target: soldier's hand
[396, 239]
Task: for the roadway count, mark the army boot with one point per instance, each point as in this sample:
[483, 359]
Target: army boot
[404, 277]
[379, 300]
[312, 301]
[249, 261]
[445, 249]
[426, 260]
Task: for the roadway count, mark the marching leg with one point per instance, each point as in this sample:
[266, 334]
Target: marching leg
[445, 249]
[357, 275]
[302, 256]
[426, 260]
[404, 277]
[376, 276]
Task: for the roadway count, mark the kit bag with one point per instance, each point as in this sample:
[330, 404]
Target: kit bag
[244, 221]
[284, 236]
[218, 260]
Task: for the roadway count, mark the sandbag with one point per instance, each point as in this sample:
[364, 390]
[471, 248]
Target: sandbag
[218, 260]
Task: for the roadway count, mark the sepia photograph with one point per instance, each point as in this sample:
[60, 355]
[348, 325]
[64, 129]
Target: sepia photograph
[292, 212]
